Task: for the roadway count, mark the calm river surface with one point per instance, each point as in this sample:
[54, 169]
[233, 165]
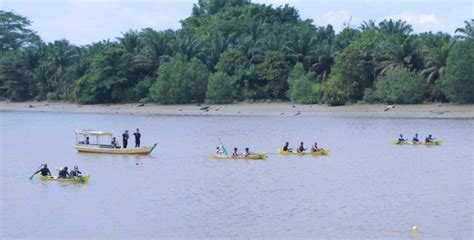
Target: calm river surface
[366, 188]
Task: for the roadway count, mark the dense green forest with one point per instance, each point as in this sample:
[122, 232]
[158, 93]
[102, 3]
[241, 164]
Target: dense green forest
[236, 50]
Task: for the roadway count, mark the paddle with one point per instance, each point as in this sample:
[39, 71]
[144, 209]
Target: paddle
[222, 145]
[31, 177]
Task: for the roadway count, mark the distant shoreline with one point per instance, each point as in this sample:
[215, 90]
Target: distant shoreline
[285, 109]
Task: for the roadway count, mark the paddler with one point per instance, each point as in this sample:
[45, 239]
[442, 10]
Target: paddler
[219, 151]
[44, 170]
[286, 148]
[235, 153]
[429, 139]
[301, 148]
[63, 173]
[315, 148]
[401, 139]
[75, 172]
[415, 138]
[246, 152]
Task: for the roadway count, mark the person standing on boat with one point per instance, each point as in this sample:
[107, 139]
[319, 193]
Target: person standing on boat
[75, 172]
[44, 171]
[137, 138]
[125, 137]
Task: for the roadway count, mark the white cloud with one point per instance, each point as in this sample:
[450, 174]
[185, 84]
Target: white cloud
[427, 19]
[416, 18]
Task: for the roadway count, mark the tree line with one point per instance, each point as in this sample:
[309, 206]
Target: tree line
[236, 50]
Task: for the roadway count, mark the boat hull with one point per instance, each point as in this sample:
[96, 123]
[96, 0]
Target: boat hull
[324, 152]
[82, 179]
[251, 157]
[436, 142]
[98, 149]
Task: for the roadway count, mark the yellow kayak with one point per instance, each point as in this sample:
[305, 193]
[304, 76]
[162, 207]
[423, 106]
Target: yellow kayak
[251, 157]
[324, 152]
[436, 142]
[82, 179]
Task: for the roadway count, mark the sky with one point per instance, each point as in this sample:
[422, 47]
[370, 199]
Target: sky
[86, 21]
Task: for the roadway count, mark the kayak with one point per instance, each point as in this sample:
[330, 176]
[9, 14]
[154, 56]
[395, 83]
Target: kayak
[82, 179]
[436, 142]
[251, 157]
[324, 152]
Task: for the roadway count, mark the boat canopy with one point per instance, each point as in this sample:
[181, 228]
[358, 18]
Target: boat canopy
[93, 133]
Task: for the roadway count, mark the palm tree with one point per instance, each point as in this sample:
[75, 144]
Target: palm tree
[129, 41]
[302, 44]
[400, 52]
[369, 25]
[436, 57]
[391, 27]
[187, 46]
[467, 31]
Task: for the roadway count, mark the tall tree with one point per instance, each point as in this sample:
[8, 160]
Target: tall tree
[15, 33]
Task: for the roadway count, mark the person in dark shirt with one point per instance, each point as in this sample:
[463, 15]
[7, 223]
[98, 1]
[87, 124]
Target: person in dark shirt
[125, 137]
[75, 172]
[87, 141]
[114, 143]
[429, 139]
[401, 139]
[63, 173]
[415, 138]
[301, 148]
[137, 138]
[286, 148]
[315, 148]
[235, 153]
[44, 171]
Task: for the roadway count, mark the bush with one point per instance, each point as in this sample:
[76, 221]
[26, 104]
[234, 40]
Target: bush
[295, 74]
[219, 88]
[180, 81]
[301, 91]
[457, 82]
[369, 95]
[400, 85]
[335, 91]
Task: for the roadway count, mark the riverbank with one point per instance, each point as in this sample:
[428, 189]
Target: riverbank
[441, 111]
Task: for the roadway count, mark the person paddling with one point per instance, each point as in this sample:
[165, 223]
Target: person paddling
[63, 173]
[429, 139]
[44, 171]
[235, 153]
[219, 151]
[301, 148]
[246, 152]
[286, 148]
[75, 172]
[315, 148]
[415, 138]
[401, 139]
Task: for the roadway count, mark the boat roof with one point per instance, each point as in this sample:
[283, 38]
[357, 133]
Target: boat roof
[93, 132]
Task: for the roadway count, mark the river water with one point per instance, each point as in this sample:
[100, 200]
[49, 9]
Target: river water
[366, 188]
